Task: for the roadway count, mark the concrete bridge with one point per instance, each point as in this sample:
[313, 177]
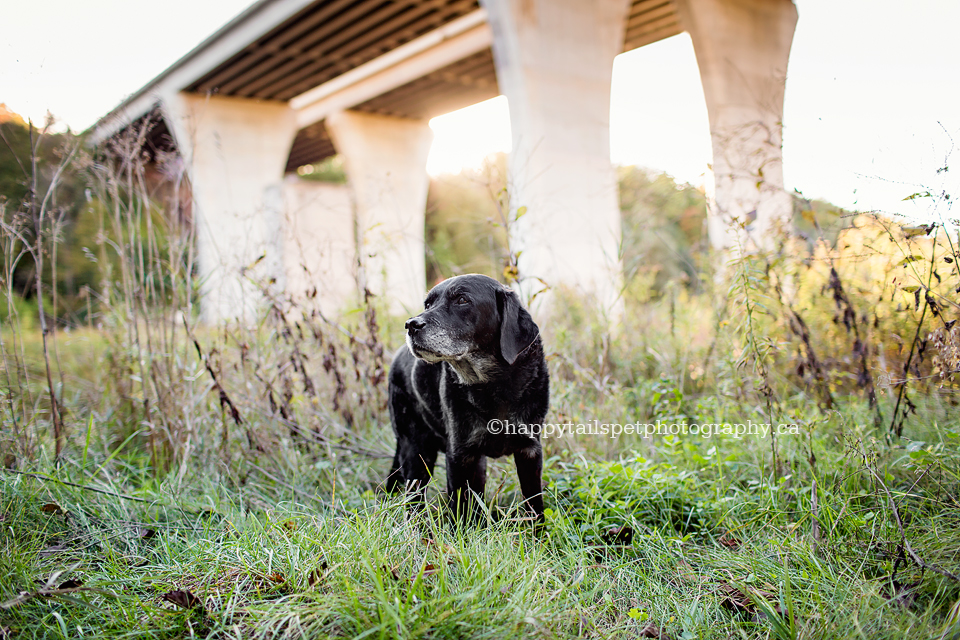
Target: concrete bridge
[290, 82]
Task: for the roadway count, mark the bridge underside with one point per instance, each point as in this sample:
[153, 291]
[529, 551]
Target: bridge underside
[292, 82]
[326, 40]
[458, 85]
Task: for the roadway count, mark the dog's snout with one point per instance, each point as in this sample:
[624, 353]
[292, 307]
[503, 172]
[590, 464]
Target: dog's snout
[414, 324]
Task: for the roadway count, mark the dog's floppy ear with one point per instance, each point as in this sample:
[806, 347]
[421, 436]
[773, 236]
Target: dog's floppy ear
[517, 328]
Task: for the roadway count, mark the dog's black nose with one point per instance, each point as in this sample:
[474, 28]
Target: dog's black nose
[414, 324]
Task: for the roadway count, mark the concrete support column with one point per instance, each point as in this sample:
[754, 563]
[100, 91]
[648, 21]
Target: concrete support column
[386, 163]
[742, 48]
[554, 62]
[235, 150]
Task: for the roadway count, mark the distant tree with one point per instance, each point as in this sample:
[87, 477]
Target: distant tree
[464, 233]
[816, 220]
[663, 226]
[20, 148]
[14, 151]
[328, 170]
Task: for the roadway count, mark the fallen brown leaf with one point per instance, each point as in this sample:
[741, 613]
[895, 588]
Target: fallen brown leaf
[443, 546]
[618, 535]
[730, 541]
[316, 575]
[183, 599]
[392, 571]
[736, 600]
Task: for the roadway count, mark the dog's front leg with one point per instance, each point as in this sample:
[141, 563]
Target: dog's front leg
[466, 474]
[529, 463]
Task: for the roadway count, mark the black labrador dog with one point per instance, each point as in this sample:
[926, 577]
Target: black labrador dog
[473, 356]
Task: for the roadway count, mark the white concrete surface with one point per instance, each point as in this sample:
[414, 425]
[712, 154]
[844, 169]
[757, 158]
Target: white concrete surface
[554, 63]
[235, 152]
[319, 244]
[742, 48]
[386, 159]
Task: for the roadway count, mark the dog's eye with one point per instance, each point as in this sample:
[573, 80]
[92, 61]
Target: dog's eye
[463, 300]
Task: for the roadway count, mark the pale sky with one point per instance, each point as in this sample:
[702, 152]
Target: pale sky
[872, 102]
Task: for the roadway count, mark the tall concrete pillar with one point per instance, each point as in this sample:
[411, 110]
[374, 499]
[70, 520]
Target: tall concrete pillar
[235, 150]
[742, 48]
[386, 162]
[554, 62]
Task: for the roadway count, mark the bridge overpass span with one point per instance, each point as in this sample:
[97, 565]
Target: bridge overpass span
[291, 82]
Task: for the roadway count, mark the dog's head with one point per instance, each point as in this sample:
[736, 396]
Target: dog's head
[471, 320]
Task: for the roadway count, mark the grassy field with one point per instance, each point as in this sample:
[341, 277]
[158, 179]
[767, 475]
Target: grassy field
[255, 530]
[161, 479]
[683, 540]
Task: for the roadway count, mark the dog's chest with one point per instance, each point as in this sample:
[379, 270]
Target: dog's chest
[484, 422]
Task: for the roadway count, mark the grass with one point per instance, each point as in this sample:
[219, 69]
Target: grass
[670, 536]
[692, 539]
[221, 482]
[285, 536]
